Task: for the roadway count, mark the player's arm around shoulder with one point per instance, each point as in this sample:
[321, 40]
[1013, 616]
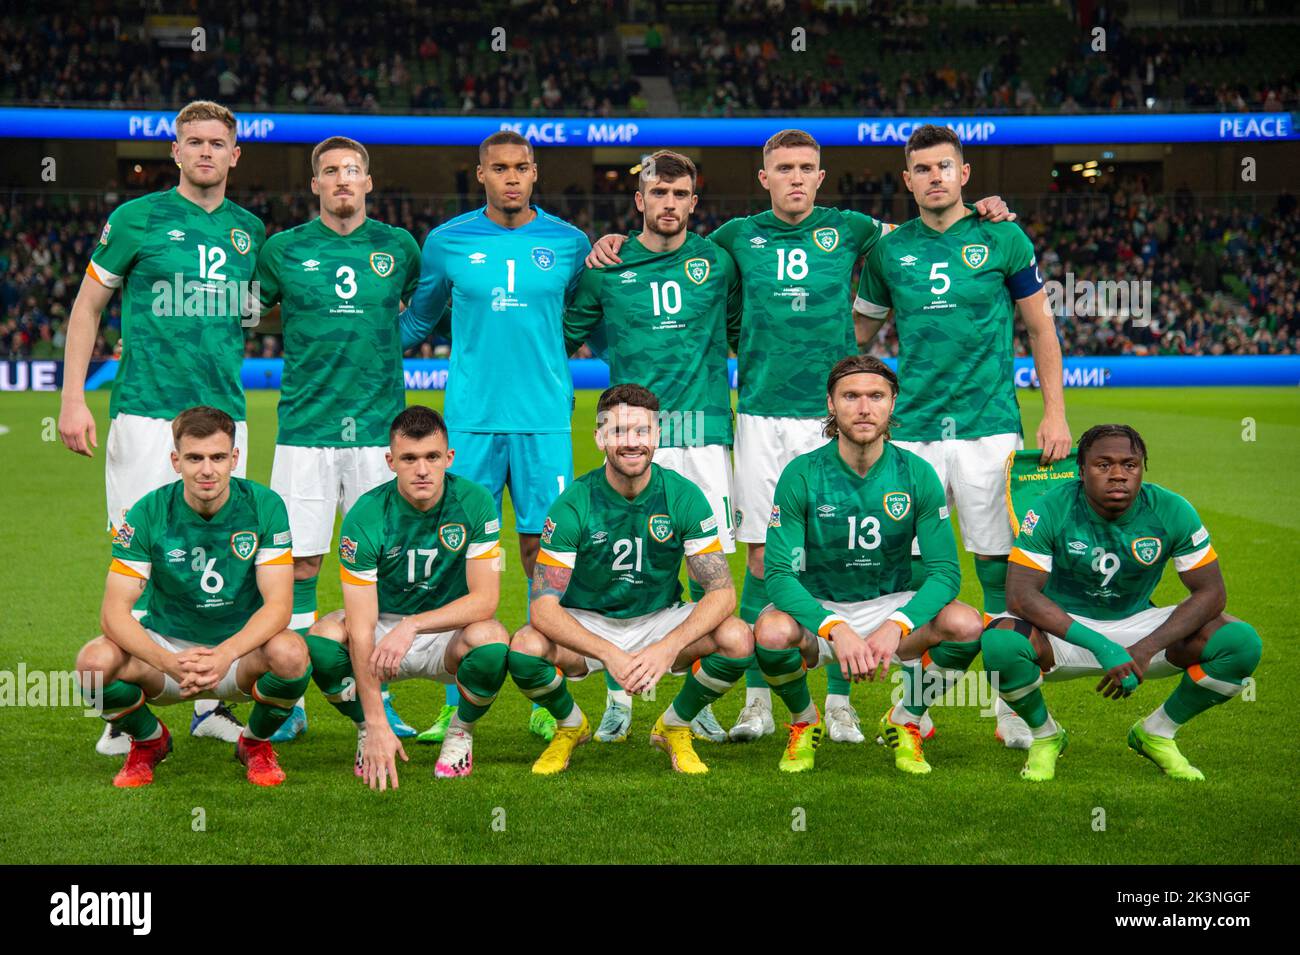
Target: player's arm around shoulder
[584, 310]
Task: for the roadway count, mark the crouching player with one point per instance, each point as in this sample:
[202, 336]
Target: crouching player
[217, 550]
[421, 578]
[607, 593]
[1085, 562]
[839, 592]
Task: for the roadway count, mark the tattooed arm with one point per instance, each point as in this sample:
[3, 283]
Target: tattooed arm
[561, 627]
[708, 569]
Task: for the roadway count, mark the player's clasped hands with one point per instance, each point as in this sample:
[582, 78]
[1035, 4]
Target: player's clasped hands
[378, 759]
[200, 669]
[856, 658]
[648, 666]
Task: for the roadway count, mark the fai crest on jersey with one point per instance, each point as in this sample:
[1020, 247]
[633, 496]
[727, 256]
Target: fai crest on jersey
[974, 255]
[452, 536]
[243, 543]
[382, 263]
[543, 258]
[826, 239]
[661, 528]
[241, 241]
[347, 549]
[1147, 550]
[898, 504]
[697, 270]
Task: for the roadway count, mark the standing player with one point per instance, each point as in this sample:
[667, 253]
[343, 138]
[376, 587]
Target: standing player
[955, 285]
[664, 316]
[339, 280]
[796, 266]
[607, 591]
[418, 558]
[216, 552]
[1088, 556]
[842, 595]
[508, 269]
[182, 348]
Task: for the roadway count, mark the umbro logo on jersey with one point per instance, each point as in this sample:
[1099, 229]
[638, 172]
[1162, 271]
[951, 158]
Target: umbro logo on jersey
[908, 260]
[1078, 547]
[599, 537]
[311, 265]
[477, 258]
[758, 242]
[628, 276]
[176, 554]
[176, 235]
[826, 510]
[394, 552]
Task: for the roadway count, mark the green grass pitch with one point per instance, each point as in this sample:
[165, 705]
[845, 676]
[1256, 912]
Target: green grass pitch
[621, 803]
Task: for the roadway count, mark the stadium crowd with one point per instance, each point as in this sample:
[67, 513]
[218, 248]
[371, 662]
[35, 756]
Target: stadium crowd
[1221, 282]
[885, 58]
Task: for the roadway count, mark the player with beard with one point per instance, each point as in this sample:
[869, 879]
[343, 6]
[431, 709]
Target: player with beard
[664, 317]
[955, 286]
[607, 592]
[193, 240]
[796, 263]
[339, 281]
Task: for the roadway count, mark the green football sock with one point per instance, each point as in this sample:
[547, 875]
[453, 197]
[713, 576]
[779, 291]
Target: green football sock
[785, 674]
[611, 684]
[331, 669]
[541, 682]
[709, 678]
[124, 706]
[481, 673]
[304, 605]
[918, 574]
[992, 575]
[1010, 659]
[754, 679]
[753, 597]
[836, 685]
[934, 671]
[1230, 655]
[273, 700]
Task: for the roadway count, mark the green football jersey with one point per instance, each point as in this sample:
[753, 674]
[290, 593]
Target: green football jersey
[953, 294]
[185, 276]
[665, 318]
[837, 536]
[798, 305]
[626, 556]
[417, 558]
[339, 297]
[1107, 569]
[202, 570]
